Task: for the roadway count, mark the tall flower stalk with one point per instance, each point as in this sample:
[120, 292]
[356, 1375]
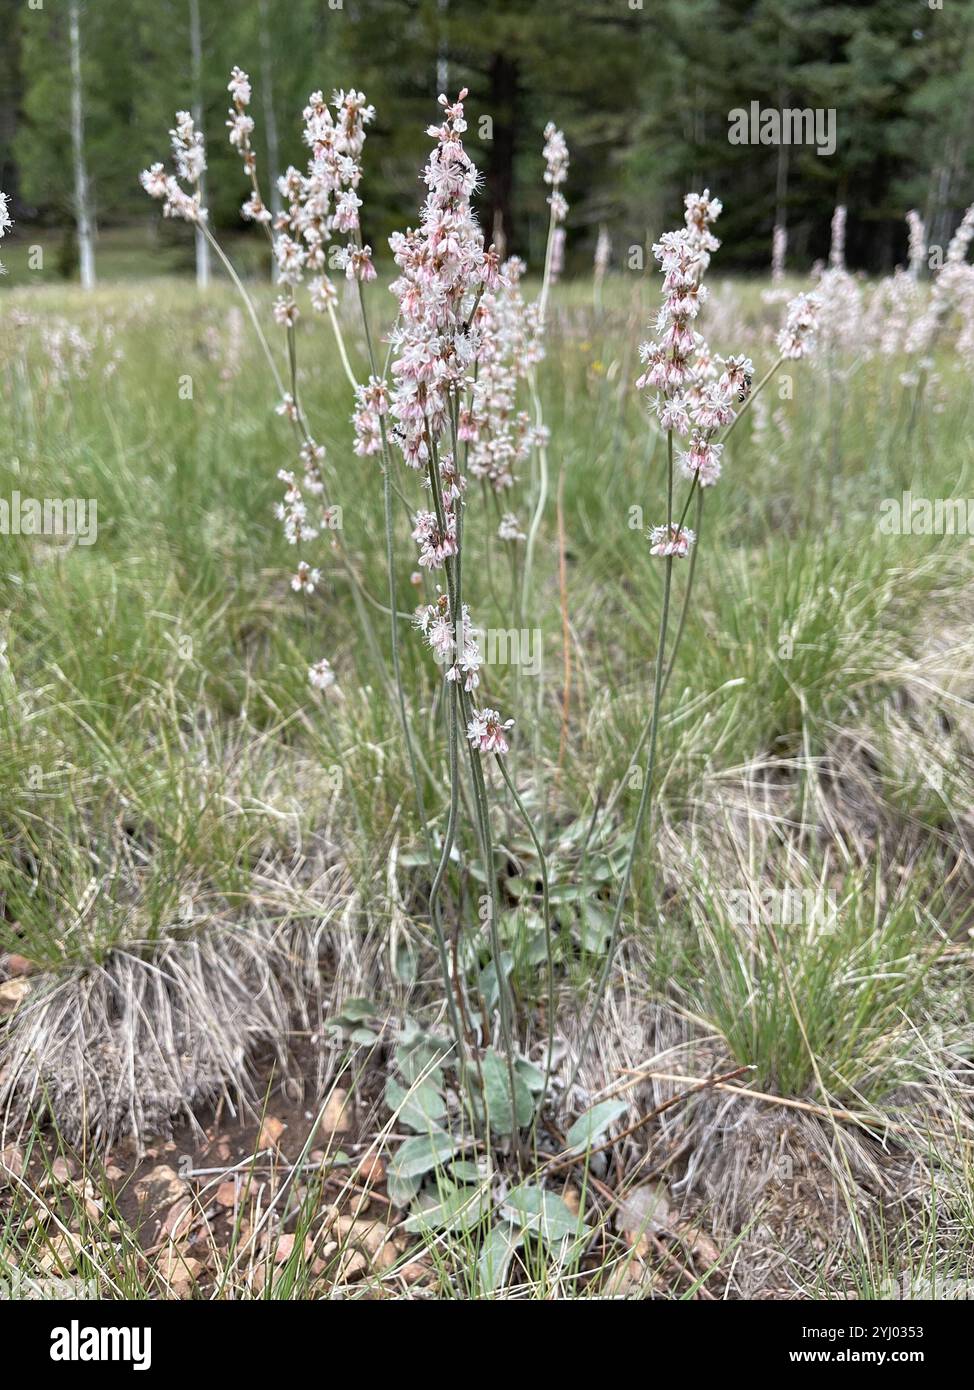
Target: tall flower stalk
[699, 399]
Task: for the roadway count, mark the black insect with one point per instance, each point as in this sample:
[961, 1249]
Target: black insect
[745, 390]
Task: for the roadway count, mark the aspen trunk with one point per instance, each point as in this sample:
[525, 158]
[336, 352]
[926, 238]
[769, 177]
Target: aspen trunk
[82, 192]
[270, 119]
[196, 50]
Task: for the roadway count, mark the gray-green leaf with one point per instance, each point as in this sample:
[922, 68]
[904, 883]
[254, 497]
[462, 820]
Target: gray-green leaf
[593, 1124]
[497, 1094]
[418, 1108]
[454, 1209]
[496, 1254]
[534, 1209]
[418, 1155]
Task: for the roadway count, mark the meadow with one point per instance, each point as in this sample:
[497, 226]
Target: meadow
[215, 890]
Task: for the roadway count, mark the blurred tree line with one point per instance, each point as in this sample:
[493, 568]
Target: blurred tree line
[642, 88]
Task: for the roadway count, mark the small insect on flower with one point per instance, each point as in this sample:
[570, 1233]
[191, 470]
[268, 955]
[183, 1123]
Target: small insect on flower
[306, 580]
[487, 733]
[737, 375]
[321, 676]
[671, 540]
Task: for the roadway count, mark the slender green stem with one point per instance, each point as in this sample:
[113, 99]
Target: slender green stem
[435, 918]
[546, 914]
[685, 608]
[644, 801]
[340, 341]
[249, 303]
[505, 995]
[610, 805]
[449, 836]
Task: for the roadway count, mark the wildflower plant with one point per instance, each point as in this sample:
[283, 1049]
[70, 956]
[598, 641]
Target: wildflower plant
[697, 399]
[453, 417]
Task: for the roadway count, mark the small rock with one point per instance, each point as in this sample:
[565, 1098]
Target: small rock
[351, 1264]
[12, 995]
[161, 1186]
[270, 1132]
[336, 1117]
[179, 1218]
[643, 1210]
[226, 1193]
[20, 965]
[372, 1237]
[180, 1271]
[371, 1170]
[11, 1164]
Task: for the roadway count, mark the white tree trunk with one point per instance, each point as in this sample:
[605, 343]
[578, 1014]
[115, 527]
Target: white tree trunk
[442, 58]
[196, 50]
[270, 119]
[82, 194]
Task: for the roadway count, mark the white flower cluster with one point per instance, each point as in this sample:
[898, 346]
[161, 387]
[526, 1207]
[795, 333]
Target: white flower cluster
[501, 436]
[189, 157]
[556, 170]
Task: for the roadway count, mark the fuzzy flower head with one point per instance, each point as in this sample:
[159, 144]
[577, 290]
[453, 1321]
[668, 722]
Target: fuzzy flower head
[701, 211]
[917, 242]
[510, 528]
[678, 364]
[188, 149]
[371, 404]
[436, 544]
[239, 87]
[671, 540]
[701, 460]
[444, 272]
[321, 676]
[189, 156]
[487, 733]
[797, 337]
[556, 170]
[305, 580]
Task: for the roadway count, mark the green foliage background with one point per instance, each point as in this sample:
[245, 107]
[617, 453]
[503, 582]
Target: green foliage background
[642, 88]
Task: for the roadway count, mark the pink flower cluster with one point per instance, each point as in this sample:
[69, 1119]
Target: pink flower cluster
[797, 337]
[461, 652]
[501, 436]
[696, 391]
[241, 128]
[487, 733]
[556, 170]
[671, 540]
[952, 288]
[371, 406]
[324, 201]
[189, 157]
[443, 271]
[679, 364]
